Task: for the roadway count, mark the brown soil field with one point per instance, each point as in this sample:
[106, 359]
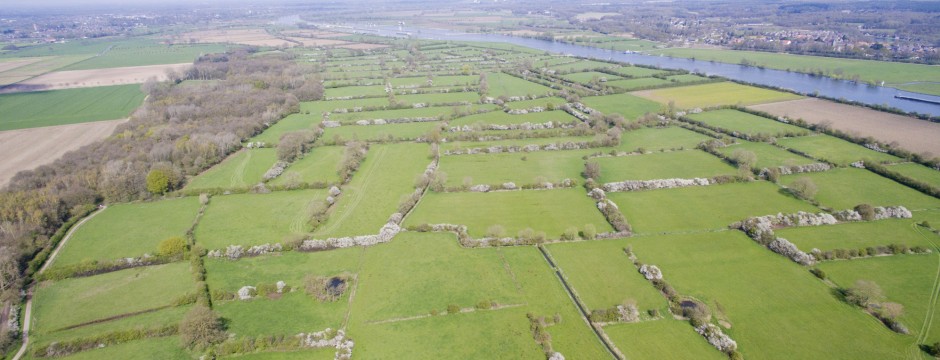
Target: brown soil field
[256, 37]
[94, 77]
[28, 148]
[319, 42]
[13, 64]
[912, 134]
[362, 46]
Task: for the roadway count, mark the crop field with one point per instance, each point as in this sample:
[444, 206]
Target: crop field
[907, 279]
[513, 210]
[842, 189]
[834, 150]
[656, 139]
[412, 130]
[502, 118]
[581, 262]
[319, 165]
[253, 219]
[667, 165]
[628, 106]
[96, 77]
[643, 340]
[765, 298]
[767, 154]
[129, 230]
[519, 168]
[912, 134]
[384, 178]
[16, 69]
[117, 293]
[855, 235]
[703, 207]
[745, 123]
[71, 106]
[723, 93]
[240, 170]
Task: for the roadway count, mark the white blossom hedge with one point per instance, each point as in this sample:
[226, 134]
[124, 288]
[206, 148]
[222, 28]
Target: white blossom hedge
[634, 185]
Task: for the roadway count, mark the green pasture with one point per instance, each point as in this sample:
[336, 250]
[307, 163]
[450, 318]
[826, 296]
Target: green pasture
[412, 130]
[456, 144]
[293, 122]
[68, 106]
[503, 118]
[834, 150]
[845, 188]
[648, 340]
[767, 155]
[589, 76]
[656, 139]
[240, 170]
[637, 83]
[665, 165]
[744, 123]
[255, 219]
[502, 84]
[321, 164]
[628, 106]
[918, 172]
[520, 168]
[714, 94]
[855, 235]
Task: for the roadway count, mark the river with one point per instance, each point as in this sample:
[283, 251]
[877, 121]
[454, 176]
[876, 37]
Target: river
[798, 82]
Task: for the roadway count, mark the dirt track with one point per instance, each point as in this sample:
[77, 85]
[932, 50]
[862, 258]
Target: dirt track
[28, 148]
[913, 134]
[95, 77]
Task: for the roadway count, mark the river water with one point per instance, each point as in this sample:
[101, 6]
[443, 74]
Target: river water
[798, 82]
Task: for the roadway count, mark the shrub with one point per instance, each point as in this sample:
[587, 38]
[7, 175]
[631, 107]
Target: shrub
[592, 170]
[485, 304]
[570, 234]
[804, 188]
[496, 231]
[866, 211]
[326, 289]
[589, 232]
[864, 293]
[201, 328]
[818, 273]
[171, 246]
[158, 182]
[453, 309]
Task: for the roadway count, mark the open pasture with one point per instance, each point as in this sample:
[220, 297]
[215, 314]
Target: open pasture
[502, 84]
[723, 93]
[292, 122]
[129, 230]
[407, 131]
[842, 189]
[703, 207]
[503, 118]
[628, 106]
[644, 340]
[589, 76]
[834, 150]
[583, 65]
[71, 106]
[667, 165]
[386, 176]
[255, 219]
[657, 139]
[766, 297]
[918, 172]
[240, 170]
[767, 154]
[112, 294]
[856, 235]
[290, 267]
[321, 164]
[519, 168]
[583, 261]
[912, 134]
[296, 312]
[551, 211]
[637, 72]
[744, 123]
[162, 348]
[637, 83]
[456, 144]
[540, 102]
[355, 91]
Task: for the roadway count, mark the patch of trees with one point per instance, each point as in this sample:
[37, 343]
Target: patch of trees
[179, 131]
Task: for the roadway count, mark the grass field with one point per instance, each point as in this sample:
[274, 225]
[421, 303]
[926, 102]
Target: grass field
[655, 139]
[724, 93]
[834, 150]
[667, 165]
[502, 118]
[907, 280]
[70, 106]
[583, 261]
[289, 267]
[703, 208]
[35, 66]
[455, 145]
[638, 83]
[588, 76]
[129, 230]
[845, 188]
[411, 130]
[543, 102]
[296, 312]
[164, 348]
[116, 52]
[292, 122]
[107, 295]
[638, 72]
[253, 219]
[504, 84]
[767, 154]
[855, 235]
[551, 211]
[628, 106]
[355, 91]
[427, 112]
[240, 170]
[745, 123]
[645, 340]
[384, 178]
[766, 297]
[319, 165]
[582, 65]
[918, 172]
[893, 73]
[520, 168]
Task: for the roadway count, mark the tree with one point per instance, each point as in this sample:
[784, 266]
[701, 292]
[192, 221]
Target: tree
[171, 246]
[890, 310]
[866, 211]
[864, 293]
[589, 232]
[158, 182]
[592, 170]
[804, 188]
[201, 328]
[744, 158]
[484, 85]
